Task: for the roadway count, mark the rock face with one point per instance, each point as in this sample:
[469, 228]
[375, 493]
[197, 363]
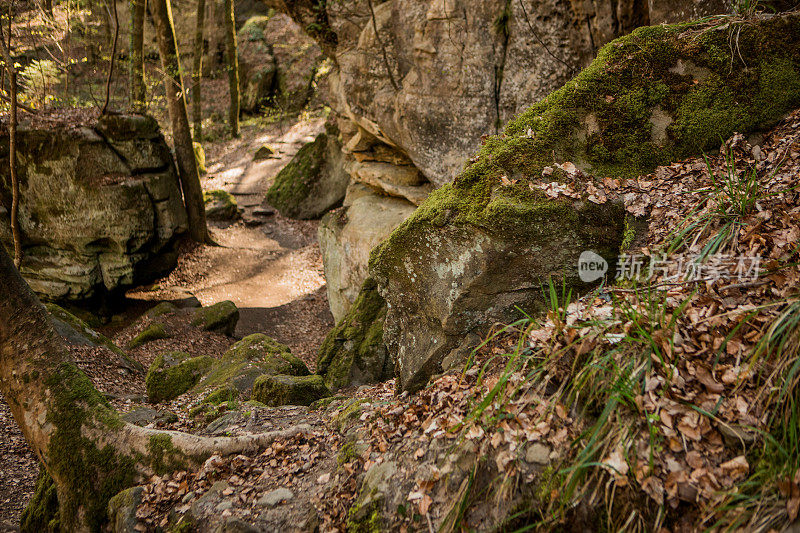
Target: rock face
[488, 243]
[429, 77]
[348, 235]
[416, 84]
[100, 206]
[313, 182]
[278, 63]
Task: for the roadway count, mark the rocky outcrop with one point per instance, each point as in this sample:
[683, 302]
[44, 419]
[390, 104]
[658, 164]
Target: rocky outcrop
[313, 182]
[486, 245]
[430, 77]
[100, 206]
[348, 235]
[278, 64]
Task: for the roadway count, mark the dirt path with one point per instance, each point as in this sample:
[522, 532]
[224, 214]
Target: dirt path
[268, 265]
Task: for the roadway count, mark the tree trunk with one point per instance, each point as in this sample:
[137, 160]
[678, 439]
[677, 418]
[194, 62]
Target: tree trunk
[233, 67]
[197, 73]
[89, 452]
[110, 78]
[181, 133]
[16, 234]
[136, 78]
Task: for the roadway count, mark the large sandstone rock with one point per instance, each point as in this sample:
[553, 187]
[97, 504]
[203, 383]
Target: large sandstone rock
[430, 77]
[100, 205]
[487, 244]
[348, 235]
[278, 63]
[313, 182]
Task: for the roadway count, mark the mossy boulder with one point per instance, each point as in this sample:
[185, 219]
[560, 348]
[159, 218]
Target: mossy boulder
[173, 373]
[76, 332]
[482, 249]
[153, 332]
[353, 353]
[289, 390]
[220, 205]
[313, 182]
[233, 375]
[163, 308]
[221, 317]
[122, 510]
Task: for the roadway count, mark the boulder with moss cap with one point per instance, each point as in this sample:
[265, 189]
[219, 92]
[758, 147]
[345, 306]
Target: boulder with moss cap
[233, 375]
[221, 317]
[173, 373]
[289, 390]
[314, 181]
[483, 248]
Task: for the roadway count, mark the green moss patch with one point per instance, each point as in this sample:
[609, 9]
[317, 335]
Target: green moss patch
[41, 513]
[154, 331]
[353, 353]
[220, 205]
[233, 375]
[221, 317]
[289, 390]
[173, 373]
[294, 183]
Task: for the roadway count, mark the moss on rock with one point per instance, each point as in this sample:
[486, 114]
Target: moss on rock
[173, 373]
[294, 182]
[154, 331]
[164, 308]
[220, 205]
[233, 376]
[289, 390]
[220, 317]
[75, 330]
[353, 353]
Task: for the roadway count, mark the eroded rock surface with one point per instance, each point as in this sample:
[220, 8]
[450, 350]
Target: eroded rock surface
[100, 206]
[487, 244]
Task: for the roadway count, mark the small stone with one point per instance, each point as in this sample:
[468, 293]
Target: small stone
[263, 211]
[538, 454]
[273, 498]
[265, 152]
[224, 505]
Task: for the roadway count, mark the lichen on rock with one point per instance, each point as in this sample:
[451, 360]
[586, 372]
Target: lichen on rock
[486, 245]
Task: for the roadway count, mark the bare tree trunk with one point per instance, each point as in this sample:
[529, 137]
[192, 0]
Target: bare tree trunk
[233, 67]
[197, 73]
[89, 452]
[113, 57]
[136, 77]
[12, 141]
[181, 133]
